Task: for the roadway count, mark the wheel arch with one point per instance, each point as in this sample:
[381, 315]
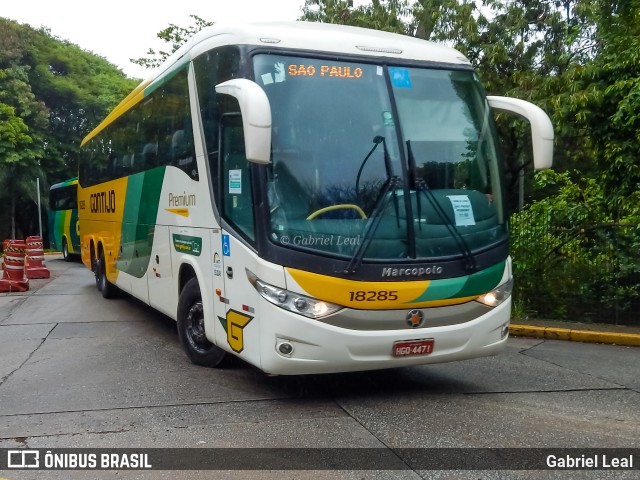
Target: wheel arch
[93, 256]
[187, 272]
[189, 269]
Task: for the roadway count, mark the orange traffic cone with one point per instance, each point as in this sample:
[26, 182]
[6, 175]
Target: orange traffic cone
[14, 279]
[35, 259]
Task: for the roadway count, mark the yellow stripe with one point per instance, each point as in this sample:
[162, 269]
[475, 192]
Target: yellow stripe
[368, 295]
[179, 211]
[66, 230]
[551, 333]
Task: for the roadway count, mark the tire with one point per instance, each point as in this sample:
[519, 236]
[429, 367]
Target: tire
[65, 250]
[107, 288]
[96, 273]
[191, 328]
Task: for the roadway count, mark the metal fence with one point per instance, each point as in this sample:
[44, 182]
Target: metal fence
[575, 269]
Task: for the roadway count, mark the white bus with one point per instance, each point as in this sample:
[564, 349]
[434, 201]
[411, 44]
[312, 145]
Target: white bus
[309, 197]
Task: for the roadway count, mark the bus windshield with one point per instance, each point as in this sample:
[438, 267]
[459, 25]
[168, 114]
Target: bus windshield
[403, 159]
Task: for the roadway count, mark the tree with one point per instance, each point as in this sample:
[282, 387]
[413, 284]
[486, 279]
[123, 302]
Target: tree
[79, 89]
[21, 115]
[573, 255]
[605, 98]
[176, 36]
[52, 93]
[386, 15]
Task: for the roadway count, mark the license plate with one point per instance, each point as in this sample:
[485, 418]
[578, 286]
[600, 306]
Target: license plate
[411, 348]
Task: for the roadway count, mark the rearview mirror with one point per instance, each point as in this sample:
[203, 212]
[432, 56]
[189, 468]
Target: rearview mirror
[541, 127]
[256, 117]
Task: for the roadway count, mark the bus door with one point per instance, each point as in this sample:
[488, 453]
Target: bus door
[239, 298]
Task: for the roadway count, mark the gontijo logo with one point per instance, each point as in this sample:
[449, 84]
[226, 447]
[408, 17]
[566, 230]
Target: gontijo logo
[103, 202]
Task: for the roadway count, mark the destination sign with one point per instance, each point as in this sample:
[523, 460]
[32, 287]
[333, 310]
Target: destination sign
[325, 71]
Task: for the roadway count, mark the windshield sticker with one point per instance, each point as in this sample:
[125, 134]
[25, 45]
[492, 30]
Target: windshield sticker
[267, 79]
[462, 210]
[379, 71]
[235, 182]
[280, 73]
[387, 119]
[400, 77]
[324, 71]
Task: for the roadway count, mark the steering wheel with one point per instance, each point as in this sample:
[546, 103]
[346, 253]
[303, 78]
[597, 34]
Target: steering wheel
[340, 206]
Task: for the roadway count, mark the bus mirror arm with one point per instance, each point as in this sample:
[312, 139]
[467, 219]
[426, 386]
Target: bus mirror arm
[256, 117]
[541, 127]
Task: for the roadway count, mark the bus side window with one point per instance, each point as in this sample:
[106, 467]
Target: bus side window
[150, 155]
[182, 152]
[211, 68]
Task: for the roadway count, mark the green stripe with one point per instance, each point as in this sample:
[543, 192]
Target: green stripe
[66, 183]
[484, 281]
[74, 239]
[157, 83]
[54, 230]
[467, 286]
[139, 219]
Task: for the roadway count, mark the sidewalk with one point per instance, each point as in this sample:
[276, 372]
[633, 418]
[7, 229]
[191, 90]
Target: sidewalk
[576, 331]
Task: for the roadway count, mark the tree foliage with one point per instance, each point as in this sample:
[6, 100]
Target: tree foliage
[52, 93]
[175, 36]
[574, 251]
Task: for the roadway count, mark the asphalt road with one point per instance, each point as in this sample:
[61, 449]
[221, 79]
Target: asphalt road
[80, 371]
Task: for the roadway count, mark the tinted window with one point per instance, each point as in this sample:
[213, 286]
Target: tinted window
[212, 68]
[155, 132]
[63, 198]
[237, 199]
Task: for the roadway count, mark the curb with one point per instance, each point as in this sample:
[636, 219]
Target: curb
[587, 336]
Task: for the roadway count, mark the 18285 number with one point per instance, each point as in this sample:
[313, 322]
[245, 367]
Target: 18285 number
[374, 296]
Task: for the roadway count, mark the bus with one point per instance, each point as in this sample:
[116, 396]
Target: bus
[311, 198]
[63, 218]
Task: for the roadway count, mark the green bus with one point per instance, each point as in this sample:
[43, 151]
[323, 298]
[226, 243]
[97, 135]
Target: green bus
[63, 218]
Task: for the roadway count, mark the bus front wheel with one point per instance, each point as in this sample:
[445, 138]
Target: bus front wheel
[191, 328]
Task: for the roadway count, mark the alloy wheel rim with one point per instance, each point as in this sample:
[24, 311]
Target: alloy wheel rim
[195, 328]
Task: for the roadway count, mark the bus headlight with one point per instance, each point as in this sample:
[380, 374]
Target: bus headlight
[294, 302]
[497, 296]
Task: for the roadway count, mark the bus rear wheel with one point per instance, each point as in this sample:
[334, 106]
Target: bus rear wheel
[65, 250]
[191, 328]
[107, 288]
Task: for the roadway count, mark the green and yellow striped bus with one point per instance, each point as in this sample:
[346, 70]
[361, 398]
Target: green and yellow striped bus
[63, 218]
[312, 198]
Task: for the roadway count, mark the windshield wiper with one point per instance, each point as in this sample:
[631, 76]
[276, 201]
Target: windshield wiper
[421, 186]
[392, 184]
[377, 140]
